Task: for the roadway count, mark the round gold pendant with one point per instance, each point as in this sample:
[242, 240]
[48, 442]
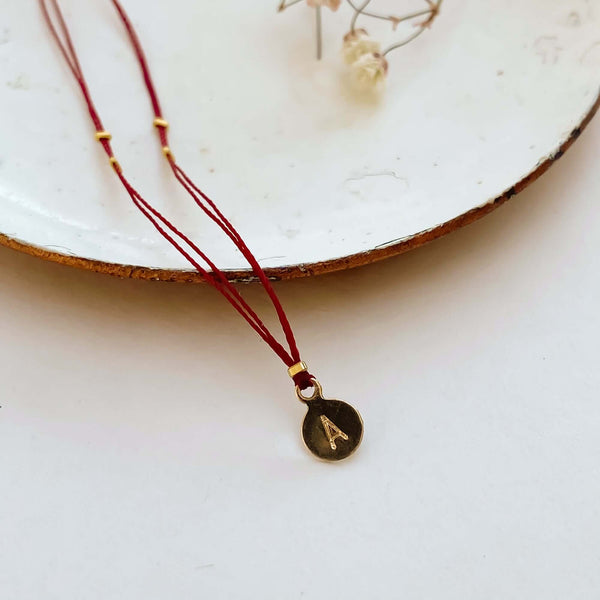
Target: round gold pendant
[332, 429]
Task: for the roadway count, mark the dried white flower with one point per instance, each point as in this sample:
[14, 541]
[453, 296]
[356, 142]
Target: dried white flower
[332, 4]
[357, 43]
[369, 72]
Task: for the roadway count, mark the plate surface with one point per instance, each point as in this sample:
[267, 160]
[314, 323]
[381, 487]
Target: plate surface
[315, 177]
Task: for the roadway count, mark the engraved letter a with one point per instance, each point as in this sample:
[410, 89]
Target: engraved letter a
[332, 431]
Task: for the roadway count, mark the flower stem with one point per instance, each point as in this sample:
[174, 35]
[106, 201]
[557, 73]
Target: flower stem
[283, 5]
[360, 10]
[357, 12]
[409, 39]
[319, 33]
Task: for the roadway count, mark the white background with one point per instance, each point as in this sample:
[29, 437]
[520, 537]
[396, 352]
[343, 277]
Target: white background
[149, 444]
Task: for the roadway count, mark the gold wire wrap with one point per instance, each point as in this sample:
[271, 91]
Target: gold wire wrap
[300, 367]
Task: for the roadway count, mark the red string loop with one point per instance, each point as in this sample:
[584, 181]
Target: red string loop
[304, 380]
[186, 247]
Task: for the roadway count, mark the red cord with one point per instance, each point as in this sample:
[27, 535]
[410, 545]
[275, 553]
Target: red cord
[215, 277]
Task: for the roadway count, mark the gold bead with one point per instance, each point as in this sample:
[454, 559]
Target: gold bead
[167, 151]
[160, 122]
[115, 164]
[300, 367]
[103, 135]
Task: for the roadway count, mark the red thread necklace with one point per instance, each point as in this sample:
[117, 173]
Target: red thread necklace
[332, 430]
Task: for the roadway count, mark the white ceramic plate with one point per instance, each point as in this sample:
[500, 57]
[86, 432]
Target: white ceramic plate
[315, 177]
